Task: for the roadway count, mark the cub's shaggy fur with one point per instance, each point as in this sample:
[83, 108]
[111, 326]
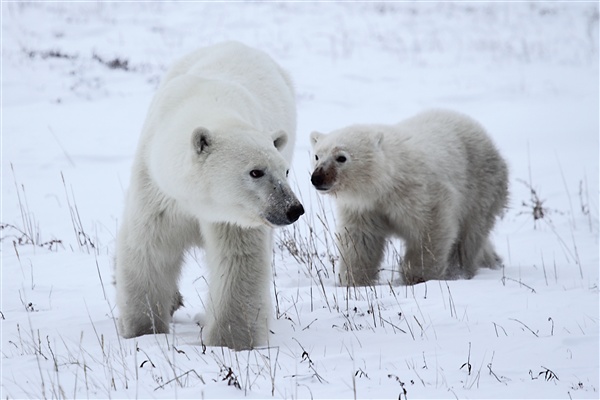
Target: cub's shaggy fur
[435, 180]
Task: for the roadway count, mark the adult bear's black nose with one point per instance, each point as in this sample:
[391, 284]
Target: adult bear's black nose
[294, 212]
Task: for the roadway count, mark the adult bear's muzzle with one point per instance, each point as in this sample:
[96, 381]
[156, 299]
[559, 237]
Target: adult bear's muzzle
[283, 208]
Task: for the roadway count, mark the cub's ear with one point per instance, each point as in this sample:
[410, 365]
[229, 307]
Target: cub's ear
[280, 139]
[315, 136]
[201, 139]
[378, 140]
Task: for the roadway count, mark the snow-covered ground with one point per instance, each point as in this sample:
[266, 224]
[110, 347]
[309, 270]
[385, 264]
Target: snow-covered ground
[76, 82]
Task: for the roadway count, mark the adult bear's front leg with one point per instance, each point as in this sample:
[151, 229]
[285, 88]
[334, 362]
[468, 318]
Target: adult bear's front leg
[150, 248]
[240, 268]
[147, 272]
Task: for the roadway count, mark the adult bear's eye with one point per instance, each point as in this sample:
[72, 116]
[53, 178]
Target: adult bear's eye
[341, 159]
[316, 157]
[287, 173]
[257, 173]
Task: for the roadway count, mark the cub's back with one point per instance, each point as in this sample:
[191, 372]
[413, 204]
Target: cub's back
[459, 150]
[432, 140]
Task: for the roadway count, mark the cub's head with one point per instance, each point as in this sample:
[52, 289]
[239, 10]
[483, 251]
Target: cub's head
[346, 161]
[232, 176]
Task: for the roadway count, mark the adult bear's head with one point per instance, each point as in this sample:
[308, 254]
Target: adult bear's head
[236, 176]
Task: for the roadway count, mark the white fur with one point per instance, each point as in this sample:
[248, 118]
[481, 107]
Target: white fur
[436, 180]
[221, 114]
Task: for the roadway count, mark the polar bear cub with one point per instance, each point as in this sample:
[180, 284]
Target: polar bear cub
[435, 180]
[211, 171]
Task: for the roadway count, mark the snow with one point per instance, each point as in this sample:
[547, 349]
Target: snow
[70, 123]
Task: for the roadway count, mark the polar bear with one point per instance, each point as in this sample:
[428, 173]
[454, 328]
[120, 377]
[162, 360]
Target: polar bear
[435, 180]
[210, 171]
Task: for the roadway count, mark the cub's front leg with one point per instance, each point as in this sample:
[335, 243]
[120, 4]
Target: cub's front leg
[429, 255]
[361, 241]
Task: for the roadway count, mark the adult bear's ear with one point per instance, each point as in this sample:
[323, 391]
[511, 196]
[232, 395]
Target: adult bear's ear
[201, 140]
[280, 139]
[314, 137]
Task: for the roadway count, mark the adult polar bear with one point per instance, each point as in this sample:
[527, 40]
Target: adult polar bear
[211, 171]
[436, 180]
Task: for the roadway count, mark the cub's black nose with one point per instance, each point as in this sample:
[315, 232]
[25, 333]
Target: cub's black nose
[295, 212]
[316, 179]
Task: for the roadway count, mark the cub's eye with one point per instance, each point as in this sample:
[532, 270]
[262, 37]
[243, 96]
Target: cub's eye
[257, 173]
[341, 159]
[316, 157]
[287, 173]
